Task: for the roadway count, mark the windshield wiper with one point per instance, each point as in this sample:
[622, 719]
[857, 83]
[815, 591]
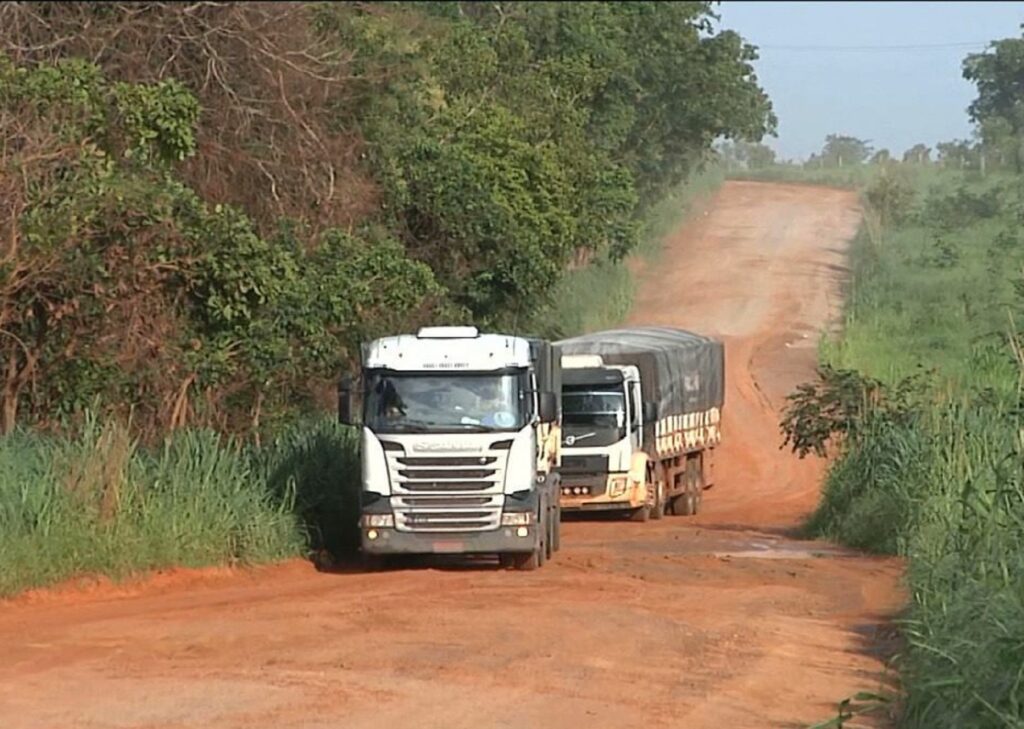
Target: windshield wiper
[475, 427]
[410, 426]
[571, 440]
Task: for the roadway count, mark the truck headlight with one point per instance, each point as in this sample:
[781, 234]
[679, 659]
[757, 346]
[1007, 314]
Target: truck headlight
[517, 518]
[617, 485]
[378, 520]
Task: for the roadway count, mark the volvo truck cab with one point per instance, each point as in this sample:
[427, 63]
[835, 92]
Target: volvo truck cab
[604, 463]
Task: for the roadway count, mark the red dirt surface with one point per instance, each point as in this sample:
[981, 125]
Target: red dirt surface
[716, 621]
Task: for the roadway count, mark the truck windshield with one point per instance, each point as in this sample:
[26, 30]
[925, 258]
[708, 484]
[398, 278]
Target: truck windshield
[416, 402]
[592, 416]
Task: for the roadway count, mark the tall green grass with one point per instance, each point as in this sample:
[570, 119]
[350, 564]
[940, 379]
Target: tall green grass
[99, 503]
[946, 490]
[944, 486]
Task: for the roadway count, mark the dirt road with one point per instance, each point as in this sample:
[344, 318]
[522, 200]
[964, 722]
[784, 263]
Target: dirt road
[718, 621]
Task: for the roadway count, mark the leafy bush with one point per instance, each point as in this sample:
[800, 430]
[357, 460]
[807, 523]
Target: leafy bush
[891, 195]
[961, 207]
[946, 488]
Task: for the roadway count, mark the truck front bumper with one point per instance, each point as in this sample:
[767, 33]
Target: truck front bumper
[502, 540]
[634, 497]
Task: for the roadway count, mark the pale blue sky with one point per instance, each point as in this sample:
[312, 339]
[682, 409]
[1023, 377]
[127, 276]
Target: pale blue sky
[894, 97]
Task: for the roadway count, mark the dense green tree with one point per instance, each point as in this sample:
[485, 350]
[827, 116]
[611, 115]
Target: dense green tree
[205, 219]
[119, 283]
[882, 156]
[958, 153]
[999, 108]
[919, 154]
[841, 150]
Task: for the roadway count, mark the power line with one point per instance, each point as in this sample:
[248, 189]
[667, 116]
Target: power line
[907, 47]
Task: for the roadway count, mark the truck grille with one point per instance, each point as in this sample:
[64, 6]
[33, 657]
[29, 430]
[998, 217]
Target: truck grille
[455, 461]
[447, 493]
[589, 464]
[422, 474]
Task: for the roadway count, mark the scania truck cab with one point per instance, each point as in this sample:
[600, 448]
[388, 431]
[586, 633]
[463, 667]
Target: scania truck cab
[460, 445]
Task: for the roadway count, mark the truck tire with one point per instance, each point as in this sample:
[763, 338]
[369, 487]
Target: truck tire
[658, 510]
[524, 561]
[373, 562]
[556, 541]
[549, 537]
[642, 514]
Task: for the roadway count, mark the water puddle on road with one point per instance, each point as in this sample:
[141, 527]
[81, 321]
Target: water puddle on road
[757, 549]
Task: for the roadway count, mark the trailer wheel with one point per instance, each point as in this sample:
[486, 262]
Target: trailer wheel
[556, 527]
[685, 504]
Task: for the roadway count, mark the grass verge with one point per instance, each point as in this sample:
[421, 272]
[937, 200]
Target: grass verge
[100, 503]
[932, 467]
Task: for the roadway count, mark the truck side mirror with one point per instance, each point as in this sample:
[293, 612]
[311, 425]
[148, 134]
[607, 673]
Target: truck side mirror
[547, 407]
[345, 405]
[650, 411]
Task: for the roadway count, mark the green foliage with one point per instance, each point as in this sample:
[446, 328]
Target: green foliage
[938, 477]
[124, 285]
[100, 503]
[837, 405]
[891, 195]
[513, 138]
[919, 154]
[598, 294]
[505, 141]
[842, 149]
[962, 206]
[999, 107]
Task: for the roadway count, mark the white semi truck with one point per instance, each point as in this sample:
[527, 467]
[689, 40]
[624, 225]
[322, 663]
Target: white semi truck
[641, 413]
[460, 445]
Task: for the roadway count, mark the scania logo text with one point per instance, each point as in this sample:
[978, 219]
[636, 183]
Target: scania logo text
[435, 447]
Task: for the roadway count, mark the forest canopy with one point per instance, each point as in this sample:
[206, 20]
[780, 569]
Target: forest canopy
[205, 207]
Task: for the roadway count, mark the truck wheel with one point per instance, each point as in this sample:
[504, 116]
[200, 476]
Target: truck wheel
[373, 562]
[682, 505]
[658, 510]
[549, 537]
[642, 514]
[525, 561]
